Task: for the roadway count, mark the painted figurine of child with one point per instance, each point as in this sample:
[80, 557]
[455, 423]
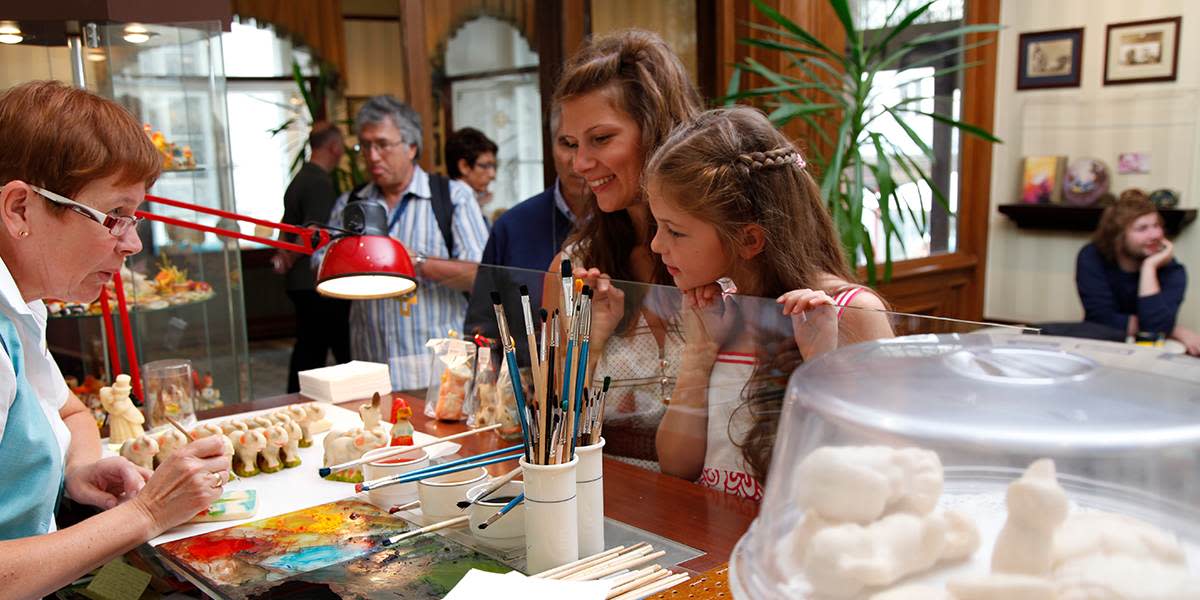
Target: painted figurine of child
[402, 429]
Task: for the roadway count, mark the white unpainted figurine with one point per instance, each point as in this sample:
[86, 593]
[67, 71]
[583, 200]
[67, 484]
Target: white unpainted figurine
[1001, 586]
[263, 421]
[913, 592]
[124, 419]
[299, 414]
[1124, 577]
[1037, 505]
[291, 451]
[316, 415]
[169, 440]
[140, 451]
[859, 484]
[247, 444]
[1087, 533]
[370, 413]
[277, 438]
[842, 560]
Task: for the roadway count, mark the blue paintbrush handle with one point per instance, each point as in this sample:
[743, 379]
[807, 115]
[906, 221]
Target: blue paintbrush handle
[579, 377]
[518, 393]
[512, 504]
[417, 476]
[566, 382]
[454, 463]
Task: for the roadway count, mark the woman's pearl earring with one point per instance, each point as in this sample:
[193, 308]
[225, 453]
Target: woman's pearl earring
[24, 234]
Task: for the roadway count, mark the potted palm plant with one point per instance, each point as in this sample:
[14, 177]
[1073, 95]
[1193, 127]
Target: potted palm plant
[843, 87]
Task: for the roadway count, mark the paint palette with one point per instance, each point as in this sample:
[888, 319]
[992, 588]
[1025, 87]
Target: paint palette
[337, 547]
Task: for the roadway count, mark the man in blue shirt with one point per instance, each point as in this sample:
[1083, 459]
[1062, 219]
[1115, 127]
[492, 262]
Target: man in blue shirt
[389, 138]
[1128, 278]
[527, 236]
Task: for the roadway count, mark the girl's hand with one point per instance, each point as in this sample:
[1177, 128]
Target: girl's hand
[707, 327]
[814, 321]
[608, 305]
[701, 297]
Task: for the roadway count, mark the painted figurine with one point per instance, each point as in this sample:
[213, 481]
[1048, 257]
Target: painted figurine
[247, 445]
[124, 419]
[268, 459]
[169, 440]
[402, 429]
[372, 414]
[349, 445]
[299, 414]
[291, 451]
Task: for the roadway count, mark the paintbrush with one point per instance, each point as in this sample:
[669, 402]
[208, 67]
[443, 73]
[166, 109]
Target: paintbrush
[411, 505]
[176, 425]
[325, 471]
[427, 529]
[453, 463]
[429, 474]
[491, 489]
[510, 356]
[519, 498]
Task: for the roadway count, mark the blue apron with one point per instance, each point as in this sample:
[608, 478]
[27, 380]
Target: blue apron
[31, 476]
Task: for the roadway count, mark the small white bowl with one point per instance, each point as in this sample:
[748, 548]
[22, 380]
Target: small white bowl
[440, 495]
[509, 530]
[401, 493]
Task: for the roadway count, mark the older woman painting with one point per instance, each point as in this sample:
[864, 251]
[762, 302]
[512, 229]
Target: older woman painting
[73, 167]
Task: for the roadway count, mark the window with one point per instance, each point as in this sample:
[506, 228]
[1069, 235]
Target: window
[938, 92]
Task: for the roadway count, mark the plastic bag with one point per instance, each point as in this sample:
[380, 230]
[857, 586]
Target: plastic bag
[453, 362]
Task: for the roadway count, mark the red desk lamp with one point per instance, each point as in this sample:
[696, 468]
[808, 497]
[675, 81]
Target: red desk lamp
[362, 261]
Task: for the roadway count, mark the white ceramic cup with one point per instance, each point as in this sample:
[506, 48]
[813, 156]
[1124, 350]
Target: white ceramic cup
[440, 495]
[589, 488]
[509, 530]
[552, 522]
[400, 493]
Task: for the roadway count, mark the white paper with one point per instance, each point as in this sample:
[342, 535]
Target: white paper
[514, 586]
[300, 487]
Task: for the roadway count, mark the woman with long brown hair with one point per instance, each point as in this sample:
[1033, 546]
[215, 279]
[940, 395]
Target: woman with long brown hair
[620, 96]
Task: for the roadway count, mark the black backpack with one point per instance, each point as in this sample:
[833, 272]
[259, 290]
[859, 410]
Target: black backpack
[443, 209]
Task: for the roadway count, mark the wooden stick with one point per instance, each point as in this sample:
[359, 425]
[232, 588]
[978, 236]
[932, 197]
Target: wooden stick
[655, 587]
[641, 549]
[571, 567]
[427, 529]
[637, 579]
[615, 566]
[402, 449]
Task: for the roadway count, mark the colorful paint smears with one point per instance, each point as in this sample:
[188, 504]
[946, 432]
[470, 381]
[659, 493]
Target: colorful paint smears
[337, 547]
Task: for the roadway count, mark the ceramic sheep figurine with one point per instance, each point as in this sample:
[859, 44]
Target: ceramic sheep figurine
[316, 418]
[844, 559]
[140, 450]
[859, 484]
[229, 426]
[291, 451]
[247, 445]
[299, 414]
[206, 430]
[276, 438]
[345, 446]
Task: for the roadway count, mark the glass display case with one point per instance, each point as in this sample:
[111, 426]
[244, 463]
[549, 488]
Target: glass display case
[951, 465]
[184, 289]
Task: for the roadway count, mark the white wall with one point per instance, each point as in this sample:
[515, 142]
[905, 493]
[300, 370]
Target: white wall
[1031, 274]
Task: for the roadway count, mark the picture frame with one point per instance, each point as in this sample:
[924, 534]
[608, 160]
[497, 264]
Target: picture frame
[1042, 179]
[1050, 59]
[1142, 51]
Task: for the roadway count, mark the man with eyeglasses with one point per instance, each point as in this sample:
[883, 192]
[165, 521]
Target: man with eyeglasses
[435, 219]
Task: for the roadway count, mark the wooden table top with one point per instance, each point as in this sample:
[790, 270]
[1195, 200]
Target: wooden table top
[705, 519]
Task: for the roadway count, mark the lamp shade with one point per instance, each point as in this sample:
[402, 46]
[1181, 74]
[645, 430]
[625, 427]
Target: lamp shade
[366, 267]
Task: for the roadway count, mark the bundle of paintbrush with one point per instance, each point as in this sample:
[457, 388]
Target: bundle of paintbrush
[562, 414]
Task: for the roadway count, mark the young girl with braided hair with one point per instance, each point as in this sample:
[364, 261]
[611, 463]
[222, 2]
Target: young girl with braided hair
[733, 199]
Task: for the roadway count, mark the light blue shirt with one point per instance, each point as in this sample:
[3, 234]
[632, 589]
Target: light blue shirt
[378, 332]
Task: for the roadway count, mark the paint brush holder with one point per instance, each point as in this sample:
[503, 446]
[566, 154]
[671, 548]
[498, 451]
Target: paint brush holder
[589, 490]
[551, 519]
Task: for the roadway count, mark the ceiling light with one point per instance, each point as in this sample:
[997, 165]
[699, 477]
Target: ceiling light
[136, 34]
[10, 33]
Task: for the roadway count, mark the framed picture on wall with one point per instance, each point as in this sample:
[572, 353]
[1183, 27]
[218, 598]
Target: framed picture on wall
[1142, 51]
[1041, 179]
[1049, 59]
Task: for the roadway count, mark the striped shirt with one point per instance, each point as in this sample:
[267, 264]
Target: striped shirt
[378, 332]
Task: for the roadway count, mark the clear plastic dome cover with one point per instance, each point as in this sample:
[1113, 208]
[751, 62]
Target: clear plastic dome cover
[913, 468]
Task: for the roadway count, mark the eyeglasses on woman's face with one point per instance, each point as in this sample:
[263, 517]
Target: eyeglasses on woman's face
[117, 225]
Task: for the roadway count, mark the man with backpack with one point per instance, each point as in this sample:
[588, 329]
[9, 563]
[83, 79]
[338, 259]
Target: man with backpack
[435, 219]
